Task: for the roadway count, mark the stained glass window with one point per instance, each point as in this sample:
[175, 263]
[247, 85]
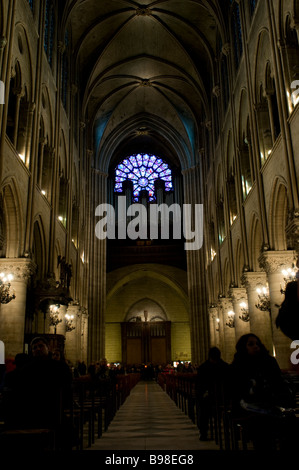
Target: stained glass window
[31, 4]
[143, 170]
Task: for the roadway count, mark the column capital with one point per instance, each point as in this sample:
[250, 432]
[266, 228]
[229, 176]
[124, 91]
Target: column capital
[292, 230]
[225, 303]
[254, 279]
[21, 268]
[274, 261]
[238, 294]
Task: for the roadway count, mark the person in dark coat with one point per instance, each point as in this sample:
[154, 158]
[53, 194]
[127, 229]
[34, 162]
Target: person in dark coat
[40, 392]
[210, 388]
[260, 394]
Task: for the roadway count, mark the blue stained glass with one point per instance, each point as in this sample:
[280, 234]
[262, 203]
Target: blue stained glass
[31, 4]
[143, 170]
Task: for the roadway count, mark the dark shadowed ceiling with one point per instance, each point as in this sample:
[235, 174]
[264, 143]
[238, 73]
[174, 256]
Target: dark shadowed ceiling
[145, 71]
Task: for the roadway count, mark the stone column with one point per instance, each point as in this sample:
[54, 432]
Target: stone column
[225, 306]
[260, 322]
[238, 296]
[12, 315]
[213, 314]
[72, 344]
[274, 262]
[196, 274]
[83, 334]
[97, 272]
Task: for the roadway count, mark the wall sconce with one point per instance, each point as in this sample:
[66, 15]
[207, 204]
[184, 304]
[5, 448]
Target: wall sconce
[263, 300]
[218, 324]
[231, 319]
[54, 316]
[245, 313]
[69, 322]
[289, 275]
[5, 295]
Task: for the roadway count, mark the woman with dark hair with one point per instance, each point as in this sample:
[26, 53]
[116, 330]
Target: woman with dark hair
[260, 392]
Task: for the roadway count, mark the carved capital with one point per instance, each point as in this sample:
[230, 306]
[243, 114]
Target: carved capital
[21, 268]
[238, 294]
[254, 279]
[225, 304]
[274, 261]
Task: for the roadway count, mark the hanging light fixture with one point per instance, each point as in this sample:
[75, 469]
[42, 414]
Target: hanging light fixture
[54, 316]
[263, 300]
[289, 275]
[245, 313]
[230, 319]
[69, 322]
[5, 295]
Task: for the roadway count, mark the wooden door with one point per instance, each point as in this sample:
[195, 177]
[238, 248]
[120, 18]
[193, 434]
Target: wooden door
[144, 342]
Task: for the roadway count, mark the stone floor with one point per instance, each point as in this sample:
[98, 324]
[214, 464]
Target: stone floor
[150, 420]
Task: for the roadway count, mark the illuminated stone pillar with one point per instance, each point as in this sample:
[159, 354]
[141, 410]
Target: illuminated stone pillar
[274, 262]
[260, 322]
[212, 318]
[72, 338]
[229, 341]
[12, 315]
[239, 296]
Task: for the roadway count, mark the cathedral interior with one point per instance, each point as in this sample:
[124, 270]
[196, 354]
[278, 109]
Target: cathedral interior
[172, 102]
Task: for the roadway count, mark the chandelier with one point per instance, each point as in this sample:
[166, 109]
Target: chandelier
[263, 300]
[289, 275]
[230, 319]
[5, 295]
[54, 316]
[69, 322]
[245, 313]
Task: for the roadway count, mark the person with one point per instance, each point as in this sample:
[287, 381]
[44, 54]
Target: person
[288, 316]
[40, 393]
[210, 379]
[260, 393]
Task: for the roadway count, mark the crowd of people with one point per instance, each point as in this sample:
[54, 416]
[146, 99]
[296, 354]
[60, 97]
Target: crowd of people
[32, 393]
[254, 389]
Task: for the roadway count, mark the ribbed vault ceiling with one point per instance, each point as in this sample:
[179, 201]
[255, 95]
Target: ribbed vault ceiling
[145, 74]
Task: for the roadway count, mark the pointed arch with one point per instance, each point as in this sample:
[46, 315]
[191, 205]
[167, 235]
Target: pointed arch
[13, 216]
[278, 215]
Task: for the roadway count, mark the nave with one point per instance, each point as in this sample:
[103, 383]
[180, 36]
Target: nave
[150, 420]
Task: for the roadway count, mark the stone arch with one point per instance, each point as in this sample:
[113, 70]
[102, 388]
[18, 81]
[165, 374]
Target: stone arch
[39, 248]
[154, 309]
[13, 217]
[255, 242]
[278, 215]
[239, 262]
[226, 277]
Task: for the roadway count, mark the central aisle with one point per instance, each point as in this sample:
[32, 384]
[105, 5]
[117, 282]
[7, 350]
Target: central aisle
[150, 420]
